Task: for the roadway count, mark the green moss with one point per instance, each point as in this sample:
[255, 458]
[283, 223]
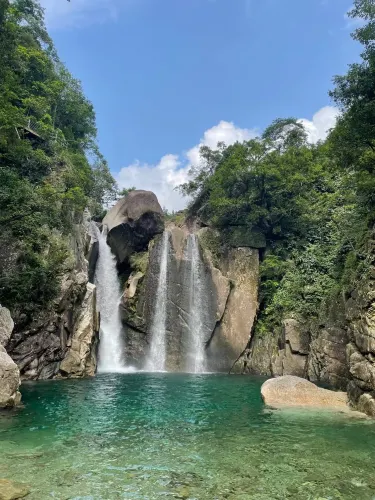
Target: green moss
[139, 262]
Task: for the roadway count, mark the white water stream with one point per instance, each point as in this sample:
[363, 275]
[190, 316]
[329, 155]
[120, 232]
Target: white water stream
[196, 355]
[111, 347]
[157, 356]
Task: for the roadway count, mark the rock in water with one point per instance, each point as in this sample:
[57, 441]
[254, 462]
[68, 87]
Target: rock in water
[9, 372]
[295, 391]
[132, 223]
[12, 491]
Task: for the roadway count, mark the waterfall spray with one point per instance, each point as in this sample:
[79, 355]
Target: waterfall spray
[157, 357]
[196, 355]
[108, 292]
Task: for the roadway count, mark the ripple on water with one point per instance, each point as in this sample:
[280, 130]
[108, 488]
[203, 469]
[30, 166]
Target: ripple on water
[156, 436]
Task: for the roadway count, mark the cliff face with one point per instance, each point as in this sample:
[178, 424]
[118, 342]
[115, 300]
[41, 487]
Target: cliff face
[228, 287]
[9, 372]
[338, 352]
[62, 341]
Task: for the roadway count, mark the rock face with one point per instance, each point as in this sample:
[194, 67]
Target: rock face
[6, 325]
[9, 372]
[132, 223]
[229, 289]
[52, 339]
[240, 266]
[80, 360]
[294, 391]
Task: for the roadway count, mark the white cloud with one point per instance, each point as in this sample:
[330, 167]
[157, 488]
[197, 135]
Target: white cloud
[77, 13]
[172, 170]
[318, 128]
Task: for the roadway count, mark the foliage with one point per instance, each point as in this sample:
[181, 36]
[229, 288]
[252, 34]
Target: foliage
[314, 204]
[50, 165]
[125, 191]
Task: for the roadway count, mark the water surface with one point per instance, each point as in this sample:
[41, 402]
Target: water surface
[164, 436]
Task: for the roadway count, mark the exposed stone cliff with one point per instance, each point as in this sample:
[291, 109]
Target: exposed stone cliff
[229, 285]
[9, 372]
[62, 341]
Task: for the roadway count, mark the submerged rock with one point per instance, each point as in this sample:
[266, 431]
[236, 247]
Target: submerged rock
[294, 391]
[12, 491]
[132, 223]
[9, 372]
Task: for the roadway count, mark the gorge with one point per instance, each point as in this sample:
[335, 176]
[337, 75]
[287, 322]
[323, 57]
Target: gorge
[225, 351]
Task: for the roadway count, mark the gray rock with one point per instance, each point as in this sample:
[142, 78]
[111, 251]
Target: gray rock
[232, 334]
[6, 325]
[39, 348]
[9, 381]
[80, 360]
[132, 223]
[297, 338]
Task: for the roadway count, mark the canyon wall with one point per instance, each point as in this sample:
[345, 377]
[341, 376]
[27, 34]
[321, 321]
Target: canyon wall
[62, 340]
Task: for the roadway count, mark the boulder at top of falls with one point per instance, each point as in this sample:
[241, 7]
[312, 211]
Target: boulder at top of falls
[132, 223]
[295, 391]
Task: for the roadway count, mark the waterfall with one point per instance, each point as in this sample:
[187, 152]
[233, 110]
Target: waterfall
[108, 294]
[156, 361]
[196, 353]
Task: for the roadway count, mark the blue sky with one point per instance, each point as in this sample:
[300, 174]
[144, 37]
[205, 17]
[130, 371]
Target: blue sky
[167, 75]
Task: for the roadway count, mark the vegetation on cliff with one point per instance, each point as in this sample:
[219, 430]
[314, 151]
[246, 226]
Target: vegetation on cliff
[314, 203]
[50, 165]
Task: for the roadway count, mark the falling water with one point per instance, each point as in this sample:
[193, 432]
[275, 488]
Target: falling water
[196, 354]
[156, 361]
[108, 292]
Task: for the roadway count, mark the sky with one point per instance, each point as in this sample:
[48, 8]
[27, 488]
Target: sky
[166, 76]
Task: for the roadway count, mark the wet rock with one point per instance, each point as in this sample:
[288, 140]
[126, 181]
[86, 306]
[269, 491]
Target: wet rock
[294, 391]
[12, 491]
[132, 223]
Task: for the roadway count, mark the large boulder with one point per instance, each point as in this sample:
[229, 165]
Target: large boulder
[9, 372]
[132, 223]
[9, 381]
[6, 326]
[294, 391]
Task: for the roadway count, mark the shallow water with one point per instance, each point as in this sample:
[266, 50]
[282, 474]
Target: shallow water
[160, 436]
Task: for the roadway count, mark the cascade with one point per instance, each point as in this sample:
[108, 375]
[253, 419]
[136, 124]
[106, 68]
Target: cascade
[157, 356]
[196, 351]
[108, 295]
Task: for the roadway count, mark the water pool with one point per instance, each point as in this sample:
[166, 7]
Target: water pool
[164, 436]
